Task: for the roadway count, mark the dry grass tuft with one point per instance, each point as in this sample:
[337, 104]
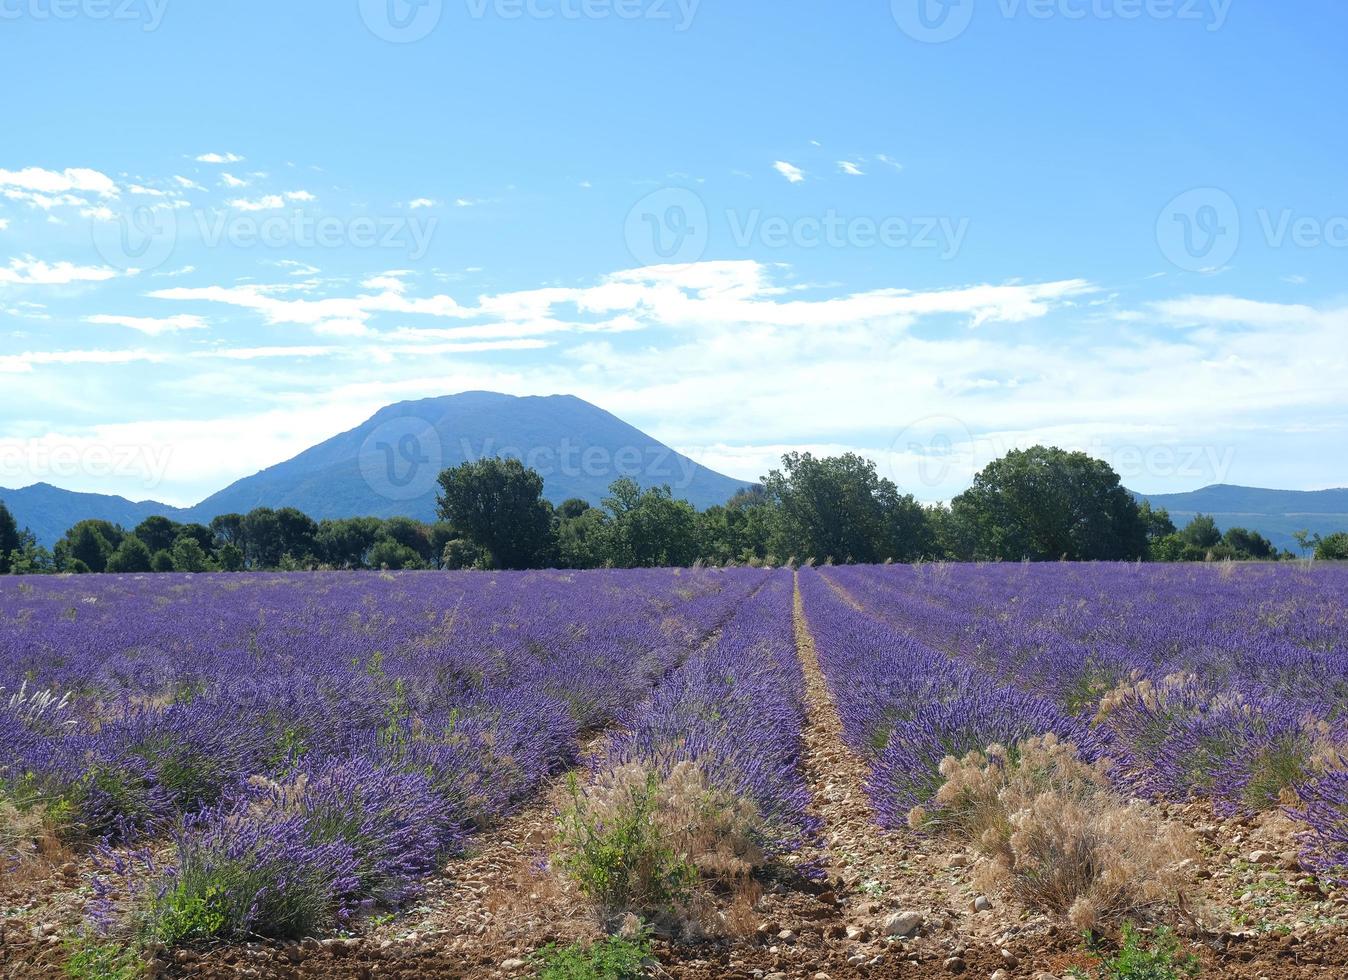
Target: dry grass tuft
[1059, 837]
[666, 847]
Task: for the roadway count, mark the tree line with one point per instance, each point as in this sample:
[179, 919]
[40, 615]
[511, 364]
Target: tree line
[1038, 504]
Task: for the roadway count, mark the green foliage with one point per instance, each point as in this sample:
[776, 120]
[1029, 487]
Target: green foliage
[161, 561]
[9, 538]
[1046, 504]
[1201, 532]
[130, 556]
[92, 959]
[1332, 548]
[839, 510]
[1160, 959]
[648, 528]
[188, 555]
[614, 958]
[623, 863]
[185, 913]
[498, 506]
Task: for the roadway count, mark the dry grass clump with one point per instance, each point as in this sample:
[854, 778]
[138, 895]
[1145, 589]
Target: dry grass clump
[1058, 836]
[664, 846]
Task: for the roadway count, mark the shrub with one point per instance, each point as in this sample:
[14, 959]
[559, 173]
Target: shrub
[614, 958]
[285, 859]
[94, 959]
[658, 845]
[1058, 836]
[1161, 959]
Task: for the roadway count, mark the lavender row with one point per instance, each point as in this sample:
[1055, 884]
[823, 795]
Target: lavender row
[905, 706]
[735, 710]
[1227, 685]
[191, 692]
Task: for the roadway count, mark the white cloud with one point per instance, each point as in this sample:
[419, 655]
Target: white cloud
[850, 169]
[791, 172]
[24, 363]
[4, 223]
[421, 202]
[188, 183]
[219, 158]
[154, 326]
[51, 189]
[889, 161]
[75, 179]
[269, 202]
[29, 271]
[229, 180]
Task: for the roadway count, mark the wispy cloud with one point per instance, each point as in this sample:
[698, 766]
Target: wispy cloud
[153, 326]
[850, 169]
[790, 171]
[219, 158]
[29, 271]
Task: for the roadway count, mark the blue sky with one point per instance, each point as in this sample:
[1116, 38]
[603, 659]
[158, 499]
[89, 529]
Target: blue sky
[927, 230]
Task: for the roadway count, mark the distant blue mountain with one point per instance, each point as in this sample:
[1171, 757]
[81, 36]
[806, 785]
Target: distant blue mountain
[1276, 514]
[387, 466]
[49, 511]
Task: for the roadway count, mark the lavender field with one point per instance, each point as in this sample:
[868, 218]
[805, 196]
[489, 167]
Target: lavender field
[203, 760]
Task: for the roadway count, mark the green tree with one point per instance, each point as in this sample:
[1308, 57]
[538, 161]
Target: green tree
[346, 543]
[1332, 548]
[297, 531]
[1247, 544]
[161, 561]
[648, 528]
[130, 556]
[188, 555]
[263, 544]
[228, 529]
[389, 554]
[90, 543]
[230, 558]
[1201, 532]
[838, 509]
[410, 534]
[9, 539]
[498, 506]
[1157, 522]
[1046, 504]
[582, 541]
[572, 508]
[157, 532]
